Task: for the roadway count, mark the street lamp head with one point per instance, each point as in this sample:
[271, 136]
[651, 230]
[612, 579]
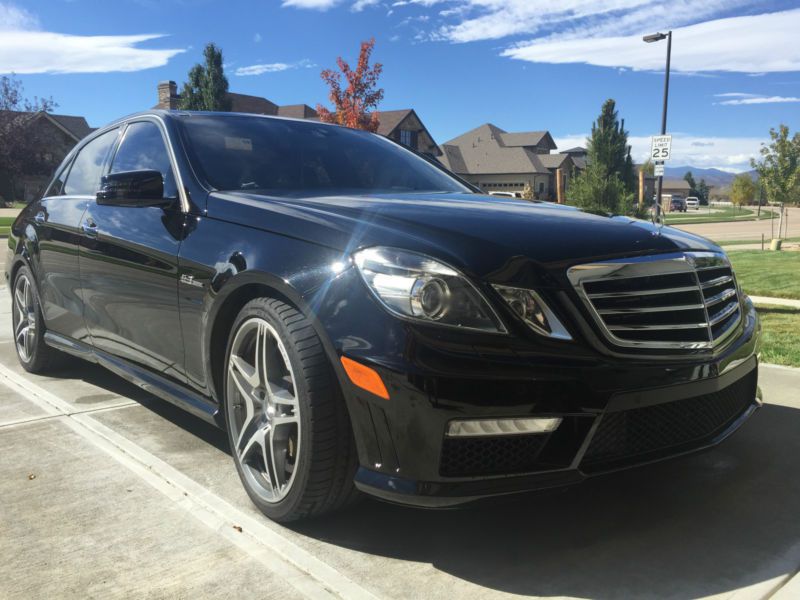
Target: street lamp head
[654, 37]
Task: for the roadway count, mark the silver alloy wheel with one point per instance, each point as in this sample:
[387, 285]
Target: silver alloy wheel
[24, 318]
[263, 409]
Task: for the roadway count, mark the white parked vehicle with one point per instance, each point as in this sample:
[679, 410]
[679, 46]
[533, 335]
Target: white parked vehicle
[693, 202]
[506, 194]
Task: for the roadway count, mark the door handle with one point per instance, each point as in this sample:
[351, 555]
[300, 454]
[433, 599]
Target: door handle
[89, 227]
[40, 217]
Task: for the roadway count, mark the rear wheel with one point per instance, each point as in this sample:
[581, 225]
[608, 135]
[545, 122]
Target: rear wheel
[288, 427]
[33, 353]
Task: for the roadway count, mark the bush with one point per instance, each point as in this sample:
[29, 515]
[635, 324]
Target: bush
[597, 192]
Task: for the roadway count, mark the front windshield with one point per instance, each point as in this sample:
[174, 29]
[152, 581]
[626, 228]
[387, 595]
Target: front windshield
[282, 157]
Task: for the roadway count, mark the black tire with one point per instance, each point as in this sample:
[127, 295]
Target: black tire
[37, 357]
[326, 458]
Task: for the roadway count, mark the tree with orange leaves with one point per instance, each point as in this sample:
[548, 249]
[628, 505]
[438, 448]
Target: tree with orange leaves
[355, 105]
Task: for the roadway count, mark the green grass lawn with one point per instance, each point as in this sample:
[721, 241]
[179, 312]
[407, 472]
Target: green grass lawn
[5, 225]
[781, 335]
[775, 274]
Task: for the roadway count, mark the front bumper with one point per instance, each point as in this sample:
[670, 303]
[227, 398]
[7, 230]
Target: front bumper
[617, 412]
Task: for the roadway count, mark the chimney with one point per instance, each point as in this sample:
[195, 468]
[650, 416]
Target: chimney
[167, 95]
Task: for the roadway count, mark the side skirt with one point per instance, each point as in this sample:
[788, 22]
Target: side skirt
[198, 405]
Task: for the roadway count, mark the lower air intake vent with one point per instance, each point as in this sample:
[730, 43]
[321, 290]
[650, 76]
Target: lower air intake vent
[634, 435]
[462, 457]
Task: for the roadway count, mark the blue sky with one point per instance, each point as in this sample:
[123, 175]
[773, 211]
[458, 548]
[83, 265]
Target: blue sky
[520, 64]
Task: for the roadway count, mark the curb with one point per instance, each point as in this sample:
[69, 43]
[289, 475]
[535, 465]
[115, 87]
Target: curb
[781, 367]
[767, 301]
[789, 590]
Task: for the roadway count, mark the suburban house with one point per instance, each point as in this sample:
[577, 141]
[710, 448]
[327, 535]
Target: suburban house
[496, 160]
[54, 136]
[403, 126]
[675, 187]
[579, 156]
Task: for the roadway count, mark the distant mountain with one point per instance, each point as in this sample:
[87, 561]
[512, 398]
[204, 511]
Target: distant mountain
[713, 177]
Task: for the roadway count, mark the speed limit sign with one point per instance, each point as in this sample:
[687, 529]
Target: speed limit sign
[660, 147]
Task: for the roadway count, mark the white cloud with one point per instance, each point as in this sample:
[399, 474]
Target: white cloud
[260, 69]
[13, 18]
[257, 38]
[24, 49]
[25, 52]
[360, 5]
[496, 19]
[310, 4]
[741, 98]
[757, 43]
[725, 153]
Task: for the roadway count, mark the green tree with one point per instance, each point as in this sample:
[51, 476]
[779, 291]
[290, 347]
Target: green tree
[779, 167]
[207, 88]
[608, 146]
[648, 167]
[702, 191]
[597, 191]
[689, 178]
[743, 190]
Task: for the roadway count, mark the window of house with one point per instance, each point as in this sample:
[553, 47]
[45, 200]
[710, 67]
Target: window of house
[541, 187]
[84, 176]
[408, 138]
[142, 149]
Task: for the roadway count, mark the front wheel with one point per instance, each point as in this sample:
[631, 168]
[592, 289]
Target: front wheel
[288, 427]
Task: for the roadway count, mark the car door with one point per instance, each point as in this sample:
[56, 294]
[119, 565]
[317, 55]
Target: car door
[128, 263]
[55, 222]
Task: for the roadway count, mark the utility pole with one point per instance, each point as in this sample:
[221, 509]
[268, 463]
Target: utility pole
[657, 37]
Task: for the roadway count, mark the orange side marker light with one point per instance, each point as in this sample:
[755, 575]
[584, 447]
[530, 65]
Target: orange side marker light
[365, 378]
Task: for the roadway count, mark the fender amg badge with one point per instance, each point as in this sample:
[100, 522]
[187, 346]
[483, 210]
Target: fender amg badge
[190, 280]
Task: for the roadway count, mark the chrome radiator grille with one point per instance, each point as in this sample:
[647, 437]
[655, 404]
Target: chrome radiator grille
[680, 301]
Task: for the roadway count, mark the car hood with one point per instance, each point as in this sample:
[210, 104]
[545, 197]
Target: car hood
[480, 234]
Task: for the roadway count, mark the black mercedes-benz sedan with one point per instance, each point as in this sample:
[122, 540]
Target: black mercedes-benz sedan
[358, 318]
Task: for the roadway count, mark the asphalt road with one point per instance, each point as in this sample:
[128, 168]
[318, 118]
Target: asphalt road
[108, 492]
[746, 230]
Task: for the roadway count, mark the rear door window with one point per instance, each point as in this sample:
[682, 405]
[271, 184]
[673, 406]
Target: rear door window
[87, 168]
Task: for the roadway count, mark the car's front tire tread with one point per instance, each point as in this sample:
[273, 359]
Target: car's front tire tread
[328, 485]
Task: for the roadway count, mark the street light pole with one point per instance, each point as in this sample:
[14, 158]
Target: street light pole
[657, 37]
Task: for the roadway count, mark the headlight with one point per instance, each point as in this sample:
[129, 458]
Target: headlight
[415, 286]
[530, 307]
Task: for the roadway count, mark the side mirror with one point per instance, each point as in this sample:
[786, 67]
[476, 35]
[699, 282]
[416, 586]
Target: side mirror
[132, 188]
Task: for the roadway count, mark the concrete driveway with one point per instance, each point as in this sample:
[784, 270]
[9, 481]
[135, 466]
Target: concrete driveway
[108, 492]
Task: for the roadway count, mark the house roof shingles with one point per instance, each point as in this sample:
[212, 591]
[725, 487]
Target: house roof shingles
[676, 184]
[553, 161]
[482, 151]
[527, 138]
[297, 111]
[77, 126]
[244, 103]
[388, 120]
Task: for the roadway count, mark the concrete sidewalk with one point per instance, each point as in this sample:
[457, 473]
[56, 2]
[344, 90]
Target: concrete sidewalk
[767, 301]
